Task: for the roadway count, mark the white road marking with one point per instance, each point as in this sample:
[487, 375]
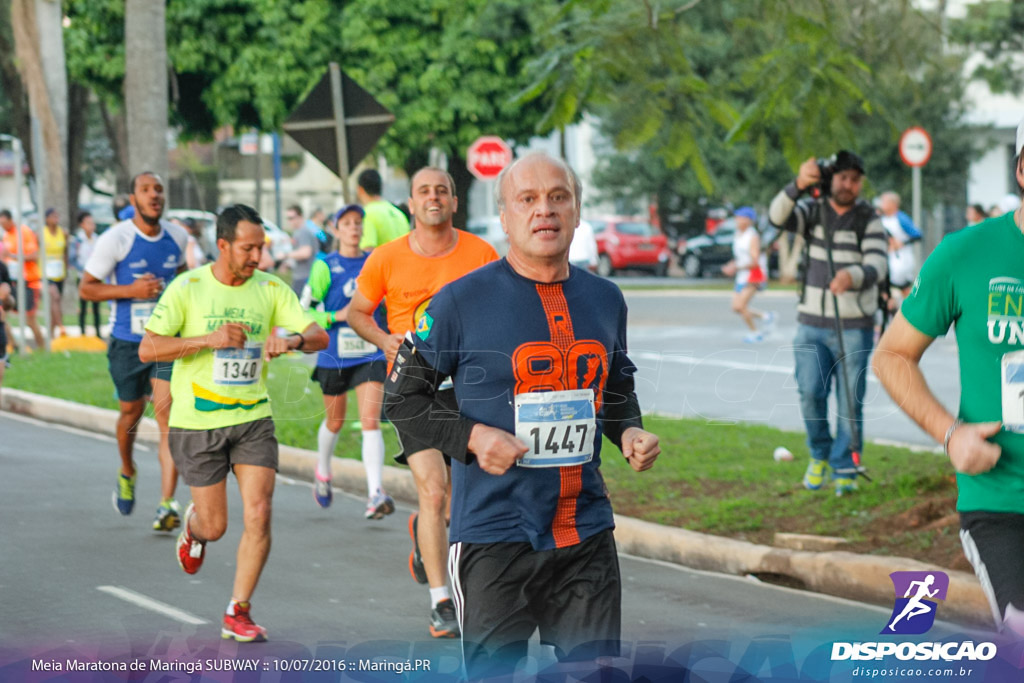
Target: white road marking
[153, 605]
[680, 359]
[683, 292]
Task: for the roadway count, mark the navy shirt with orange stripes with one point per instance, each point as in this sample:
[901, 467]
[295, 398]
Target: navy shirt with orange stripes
[498, 334]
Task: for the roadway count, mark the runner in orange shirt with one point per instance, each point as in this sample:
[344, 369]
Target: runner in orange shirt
[32, 276]
[406, 273]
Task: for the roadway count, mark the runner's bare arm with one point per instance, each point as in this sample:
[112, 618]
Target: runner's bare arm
[146, 286]
[310, 340]
[360, 319]
[158, 347]
[897, 365]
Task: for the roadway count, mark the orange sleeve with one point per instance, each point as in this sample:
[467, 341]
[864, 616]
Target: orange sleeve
[485, 252]
[370, 282]
[31, 243]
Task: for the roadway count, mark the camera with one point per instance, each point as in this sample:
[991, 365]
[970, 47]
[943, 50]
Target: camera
[843, 160]
[826, 169]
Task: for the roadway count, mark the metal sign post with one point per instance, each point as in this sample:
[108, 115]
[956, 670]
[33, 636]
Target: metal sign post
[338, 100]
[916, 150]
[338, 123]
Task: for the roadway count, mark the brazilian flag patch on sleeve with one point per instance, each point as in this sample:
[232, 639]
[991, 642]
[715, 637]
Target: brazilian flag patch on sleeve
[423, 326]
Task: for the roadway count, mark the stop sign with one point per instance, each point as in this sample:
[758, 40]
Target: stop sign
[487, 156]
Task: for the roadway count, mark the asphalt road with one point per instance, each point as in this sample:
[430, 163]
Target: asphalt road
[80, 582]
[692, 362]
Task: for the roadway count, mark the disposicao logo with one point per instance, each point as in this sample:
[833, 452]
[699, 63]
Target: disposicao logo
[913, 613]
[916, 593]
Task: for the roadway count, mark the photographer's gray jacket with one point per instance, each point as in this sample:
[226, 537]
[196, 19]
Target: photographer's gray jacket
[859, 245]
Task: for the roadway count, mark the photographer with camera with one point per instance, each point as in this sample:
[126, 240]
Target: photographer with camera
[845, 259]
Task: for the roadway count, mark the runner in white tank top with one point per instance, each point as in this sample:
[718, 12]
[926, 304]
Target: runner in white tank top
[750, 267]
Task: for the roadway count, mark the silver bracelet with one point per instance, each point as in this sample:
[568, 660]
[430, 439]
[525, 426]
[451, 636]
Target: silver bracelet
[949, 435]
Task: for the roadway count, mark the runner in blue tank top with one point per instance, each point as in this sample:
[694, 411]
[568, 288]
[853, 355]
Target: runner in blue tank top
[131, 264]
[537, 352]
[348, 362]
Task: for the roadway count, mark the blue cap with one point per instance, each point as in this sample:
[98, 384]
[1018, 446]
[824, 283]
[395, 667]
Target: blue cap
[127, 213]
[745, 212]
[350, 207]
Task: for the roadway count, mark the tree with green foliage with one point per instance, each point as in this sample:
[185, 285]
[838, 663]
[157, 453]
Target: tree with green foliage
[727, 98]
[995, 28]
[244, 63]
[448, 69]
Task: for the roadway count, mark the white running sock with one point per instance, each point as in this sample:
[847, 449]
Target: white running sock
[373, 459]
[231, 605]
[326, 441]
[439, 594]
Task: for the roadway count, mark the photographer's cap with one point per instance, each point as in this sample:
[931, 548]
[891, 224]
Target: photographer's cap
[850, 161]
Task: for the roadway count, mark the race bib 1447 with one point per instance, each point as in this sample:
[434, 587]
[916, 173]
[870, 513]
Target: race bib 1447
[558, 426]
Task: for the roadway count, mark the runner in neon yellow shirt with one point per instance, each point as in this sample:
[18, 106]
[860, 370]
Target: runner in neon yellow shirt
[225, 314]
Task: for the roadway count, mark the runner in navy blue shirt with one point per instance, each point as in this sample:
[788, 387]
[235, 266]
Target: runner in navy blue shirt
[537, 353]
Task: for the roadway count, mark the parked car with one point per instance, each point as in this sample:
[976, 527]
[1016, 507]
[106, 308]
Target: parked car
[489, 228]
[280, 241]
[102, 213]
[706, 254]
[625, 242]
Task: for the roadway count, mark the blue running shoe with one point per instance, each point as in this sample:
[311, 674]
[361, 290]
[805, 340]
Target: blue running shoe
[124, 494]
[322, 492]
[379, 506]
[168, 516]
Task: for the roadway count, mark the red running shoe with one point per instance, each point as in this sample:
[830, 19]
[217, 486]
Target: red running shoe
[240, 626]
[190, 551]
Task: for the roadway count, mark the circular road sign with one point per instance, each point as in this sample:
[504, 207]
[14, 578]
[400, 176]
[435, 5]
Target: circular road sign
[487, 156]
[915, 146]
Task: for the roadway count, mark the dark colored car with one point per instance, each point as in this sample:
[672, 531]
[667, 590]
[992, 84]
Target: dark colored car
[629, 242]
[706, 254]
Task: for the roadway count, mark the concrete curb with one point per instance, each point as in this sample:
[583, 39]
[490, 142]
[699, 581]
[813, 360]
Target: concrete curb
[849, 575]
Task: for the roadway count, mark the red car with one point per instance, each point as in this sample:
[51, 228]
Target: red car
[625, 242]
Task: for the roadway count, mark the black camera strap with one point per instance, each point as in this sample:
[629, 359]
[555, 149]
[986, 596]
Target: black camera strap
[847, 384]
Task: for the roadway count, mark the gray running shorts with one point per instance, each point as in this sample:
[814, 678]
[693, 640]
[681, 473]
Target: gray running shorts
[203, 457]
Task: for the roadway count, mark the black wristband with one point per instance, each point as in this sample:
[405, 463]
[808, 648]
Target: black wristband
[302, 341]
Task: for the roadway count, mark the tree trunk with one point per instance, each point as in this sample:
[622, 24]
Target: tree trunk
[145, 86]
[13, 88]
[463, 180]
[78, 104]
[117, 133]
[45, 107]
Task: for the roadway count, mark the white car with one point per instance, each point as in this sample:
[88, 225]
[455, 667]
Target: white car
[280, 241]
[489, 228]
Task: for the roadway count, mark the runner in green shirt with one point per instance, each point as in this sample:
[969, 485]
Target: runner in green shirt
[974, 280]
[383, 221]
[217, 324]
